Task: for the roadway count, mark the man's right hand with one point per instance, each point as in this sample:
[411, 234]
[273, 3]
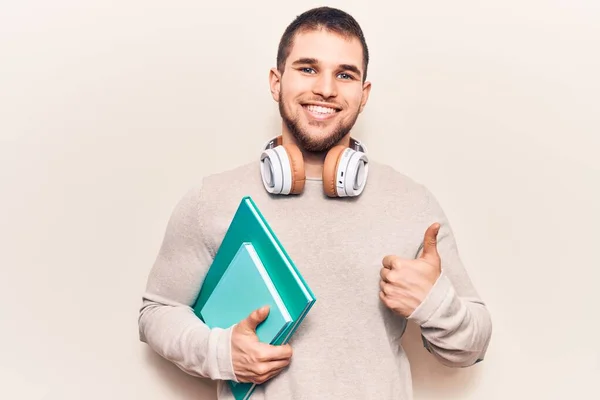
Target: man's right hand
[254, 361]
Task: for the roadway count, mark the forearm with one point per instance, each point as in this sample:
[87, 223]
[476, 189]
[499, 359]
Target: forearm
[178, 335]
[457, 330]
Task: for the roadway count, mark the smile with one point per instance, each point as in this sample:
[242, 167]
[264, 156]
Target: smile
[320, 112]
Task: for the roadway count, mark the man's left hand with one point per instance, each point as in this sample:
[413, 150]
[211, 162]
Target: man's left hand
[405, 283]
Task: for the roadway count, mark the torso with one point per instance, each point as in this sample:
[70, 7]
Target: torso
[348, 346]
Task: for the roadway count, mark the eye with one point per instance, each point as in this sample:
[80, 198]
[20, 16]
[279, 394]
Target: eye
[345, 76]
[307, 70]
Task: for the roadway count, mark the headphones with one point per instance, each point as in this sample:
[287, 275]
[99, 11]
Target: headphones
[344, 172]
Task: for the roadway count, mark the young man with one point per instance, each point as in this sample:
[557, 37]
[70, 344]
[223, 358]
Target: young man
[375, 246]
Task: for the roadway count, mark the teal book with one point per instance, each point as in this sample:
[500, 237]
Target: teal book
[244, 287]
[248, 225]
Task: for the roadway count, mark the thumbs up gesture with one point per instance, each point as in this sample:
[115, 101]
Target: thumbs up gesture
[405, 283]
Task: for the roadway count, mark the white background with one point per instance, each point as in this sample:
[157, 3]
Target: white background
[110, 111]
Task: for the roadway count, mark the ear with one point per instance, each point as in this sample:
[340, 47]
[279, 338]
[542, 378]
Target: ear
[275, 83]
[365, 95]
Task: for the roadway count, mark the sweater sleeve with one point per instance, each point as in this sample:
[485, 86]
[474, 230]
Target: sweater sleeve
[166, 319]
[455, 323]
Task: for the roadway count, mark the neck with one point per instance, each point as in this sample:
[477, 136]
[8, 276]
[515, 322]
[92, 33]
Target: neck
[313, 162]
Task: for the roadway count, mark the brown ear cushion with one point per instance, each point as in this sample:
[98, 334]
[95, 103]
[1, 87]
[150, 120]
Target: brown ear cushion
[330, 166]
[297, 168]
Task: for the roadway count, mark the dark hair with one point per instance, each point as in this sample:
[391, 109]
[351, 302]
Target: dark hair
[331, 19]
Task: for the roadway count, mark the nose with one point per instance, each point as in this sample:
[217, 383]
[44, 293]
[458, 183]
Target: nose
[325, 86]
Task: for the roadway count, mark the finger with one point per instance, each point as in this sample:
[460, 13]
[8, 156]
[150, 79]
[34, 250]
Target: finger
[383, 274]
[430, 241]
[384, 299]
[262, 378]
[274, 353]
[390, 261]
[385, 288]
[391, 277]
[255, 318]
[269, 367]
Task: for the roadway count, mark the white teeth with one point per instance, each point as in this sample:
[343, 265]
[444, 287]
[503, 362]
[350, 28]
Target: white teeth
[321, 110]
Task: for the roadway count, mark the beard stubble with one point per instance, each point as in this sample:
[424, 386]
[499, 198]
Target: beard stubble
[304, 139]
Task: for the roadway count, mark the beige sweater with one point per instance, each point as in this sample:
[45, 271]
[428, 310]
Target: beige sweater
[348, 347]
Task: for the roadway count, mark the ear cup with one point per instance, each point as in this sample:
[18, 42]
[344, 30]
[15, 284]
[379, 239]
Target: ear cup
[345, 172]
[282, 170]
[271, 171]
[356, 167]
[298, 177]
[330, 167]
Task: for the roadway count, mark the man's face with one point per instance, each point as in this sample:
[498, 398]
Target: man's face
[321, 91]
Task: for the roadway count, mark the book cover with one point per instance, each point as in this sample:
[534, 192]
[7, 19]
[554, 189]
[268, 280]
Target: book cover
[244, 287]
[248, 225]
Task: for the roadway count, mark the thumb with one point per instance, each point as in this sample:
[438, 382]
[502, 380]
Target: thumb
[430, 242]
[255, 318]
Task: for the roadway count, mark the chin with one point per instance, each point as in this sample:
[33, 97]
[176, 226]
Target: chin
[319, 142]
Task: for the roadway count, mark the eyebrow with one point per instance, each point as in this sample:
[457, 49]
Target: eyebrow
[314, 62]
[353, 68]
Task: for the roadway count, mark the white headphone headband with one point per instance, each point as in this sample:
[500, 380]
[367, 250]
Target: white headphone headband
[357, 145]
[344, 173]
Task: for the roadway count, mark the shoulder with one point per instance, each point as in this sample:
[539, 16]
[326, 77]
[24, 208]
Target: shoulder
[218, 184]
[236, 174]
[387, 182]
[218, 193]
[402, 198]
[205, 208]
[239, 178]
[228, 186]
